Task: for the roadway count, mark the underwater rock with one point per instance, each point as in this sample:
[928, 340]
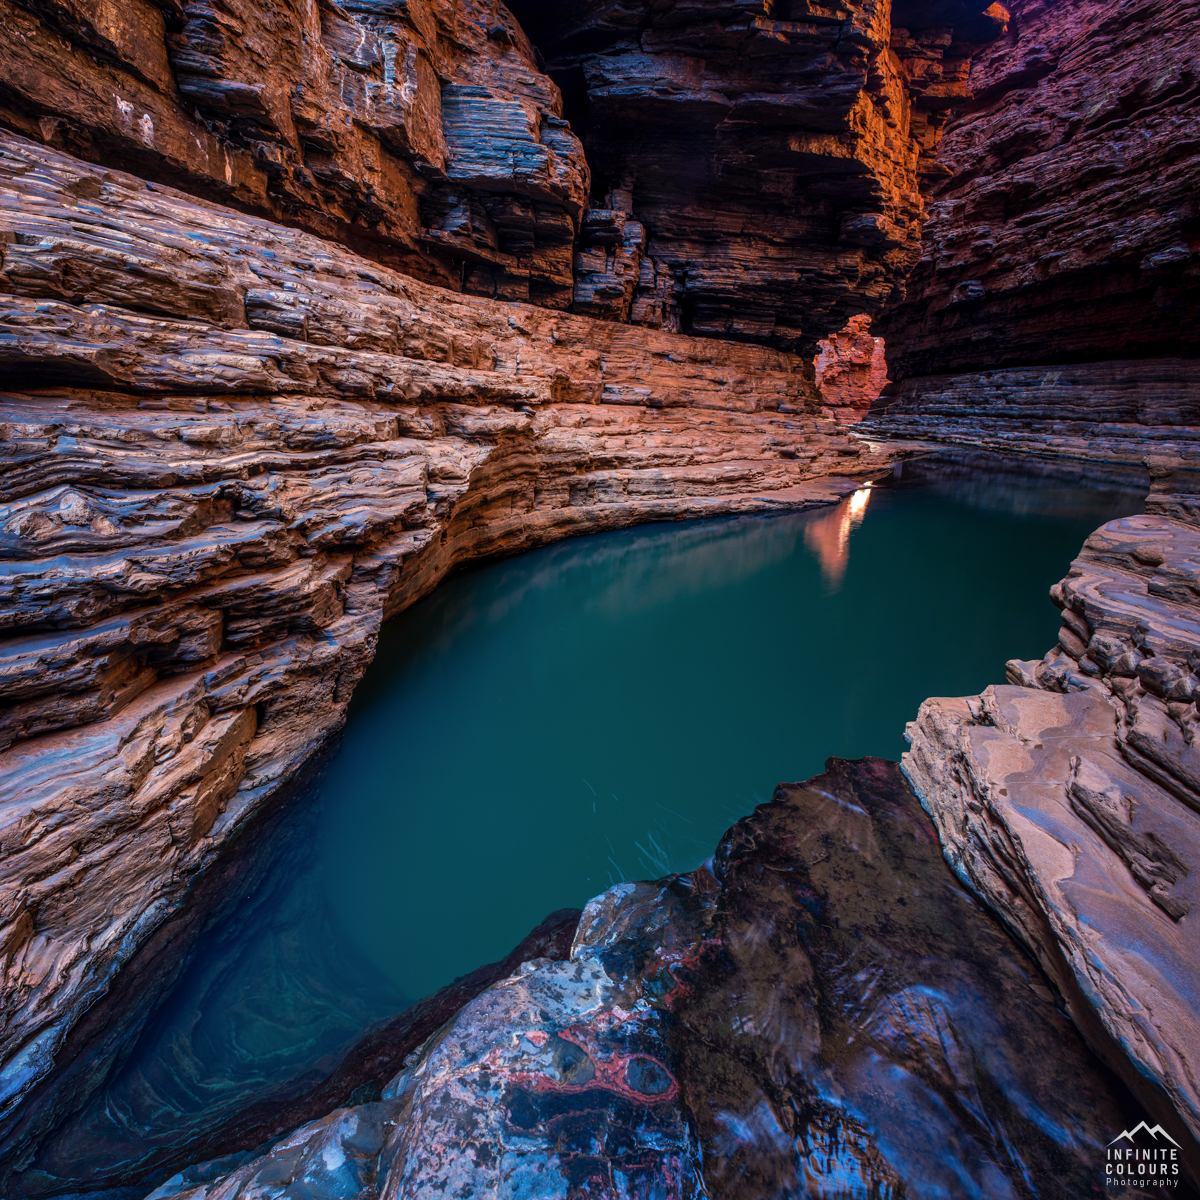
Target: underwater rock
[822, 1009]
[1069, 800]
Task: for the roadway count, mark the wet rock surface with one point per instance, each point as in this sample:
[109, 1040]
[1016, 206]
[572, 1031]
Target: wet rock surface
[230, 449]
[822, 1009]
[1057, 295]
[164, 1110]
[1068, 799]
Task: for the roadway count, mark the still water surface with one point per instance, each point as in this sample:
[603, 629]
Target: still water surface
[601, 709]
[605, 708]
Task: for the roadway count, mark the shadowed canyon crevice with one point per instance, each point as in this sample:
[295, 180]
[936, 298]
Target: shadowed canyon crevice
[303, 305]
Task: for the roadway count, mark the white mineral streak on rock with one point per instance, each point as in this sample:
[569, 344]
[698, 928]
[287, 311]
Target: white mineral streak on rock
[452, 1122]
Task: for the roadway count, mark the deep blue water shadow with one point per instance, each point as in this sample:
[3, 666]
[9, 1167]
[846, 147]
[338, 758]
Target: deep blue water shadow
[605, 708]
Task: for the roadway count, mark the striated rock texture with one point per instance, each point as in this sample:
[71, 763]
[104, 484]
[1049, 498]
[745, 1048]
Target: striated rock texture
[778, 157]
[1057, 296]
[850, 371]
[1070, 799]
[421, 134]
[229, 451]
[822, 1011]
[760, 164]
[1118, 411]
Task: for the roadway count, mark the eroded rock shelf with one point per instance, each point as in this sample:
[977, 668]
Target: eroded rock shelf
[234, 484]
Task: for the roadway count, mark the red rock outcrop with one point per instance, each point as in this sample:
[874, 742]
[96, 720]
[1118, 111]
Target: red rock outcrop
[851, 371]
[775, 153]
[1058, 291]
[229, 451]
[777, 159]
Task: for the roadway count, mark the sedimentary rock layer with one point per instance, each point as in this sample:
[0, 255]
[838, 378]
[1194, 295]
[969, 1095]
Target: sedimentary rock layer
[230, 449]
[1062, 236]
[850, 371]
[1070, 800]
[765, 161]
[426, 135]
[421, 134]
[1117, 411]
[821, 1012]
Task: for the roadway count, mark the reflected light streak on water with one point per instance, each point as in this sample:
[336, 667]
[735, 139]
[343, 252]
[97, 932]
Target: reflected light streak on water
[828, 537]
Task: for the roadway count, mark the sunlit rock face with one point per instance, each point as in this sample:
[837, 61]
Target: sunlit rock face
[822, 1011]
[851, 371]
[231, 449]
[1070, 799]
[1057, 296]
[776, 158]
[771, 156]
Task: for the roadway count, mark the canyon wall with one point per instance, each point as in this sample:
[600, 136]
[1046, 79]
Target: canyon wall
[294, 345]
[230, 449]
[1054, 311]
[420, 134]
[284, 338]
[778, 162]
[1056, 301]
[760, 165]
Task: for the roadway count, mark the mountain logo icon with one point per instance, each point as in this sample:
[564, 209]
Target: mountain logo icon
[1153, 1132]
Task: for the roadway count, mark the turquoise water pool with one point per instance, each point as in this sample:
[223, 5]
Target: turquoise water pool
[542, 727]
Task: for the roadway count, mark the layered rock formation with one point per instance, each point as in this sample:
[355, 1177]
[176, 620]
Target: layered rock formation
[851, 371]
[425, 136]
[421, 134]
[1070, 800]
[1056, 301]
[773, 154]
[822, 1011]
[230, 450]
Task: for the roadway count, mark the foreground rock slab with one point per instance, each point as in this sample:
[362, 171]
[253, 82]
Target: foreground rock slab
[821, 1010]
[1069, 800]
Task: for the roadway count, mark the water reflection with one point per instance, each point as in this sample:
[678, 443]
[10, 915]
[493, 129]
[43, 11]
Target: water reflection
[828, 537]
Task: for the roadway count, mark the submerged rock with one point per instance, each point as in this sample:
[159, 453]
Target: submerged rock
[821, 1010]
